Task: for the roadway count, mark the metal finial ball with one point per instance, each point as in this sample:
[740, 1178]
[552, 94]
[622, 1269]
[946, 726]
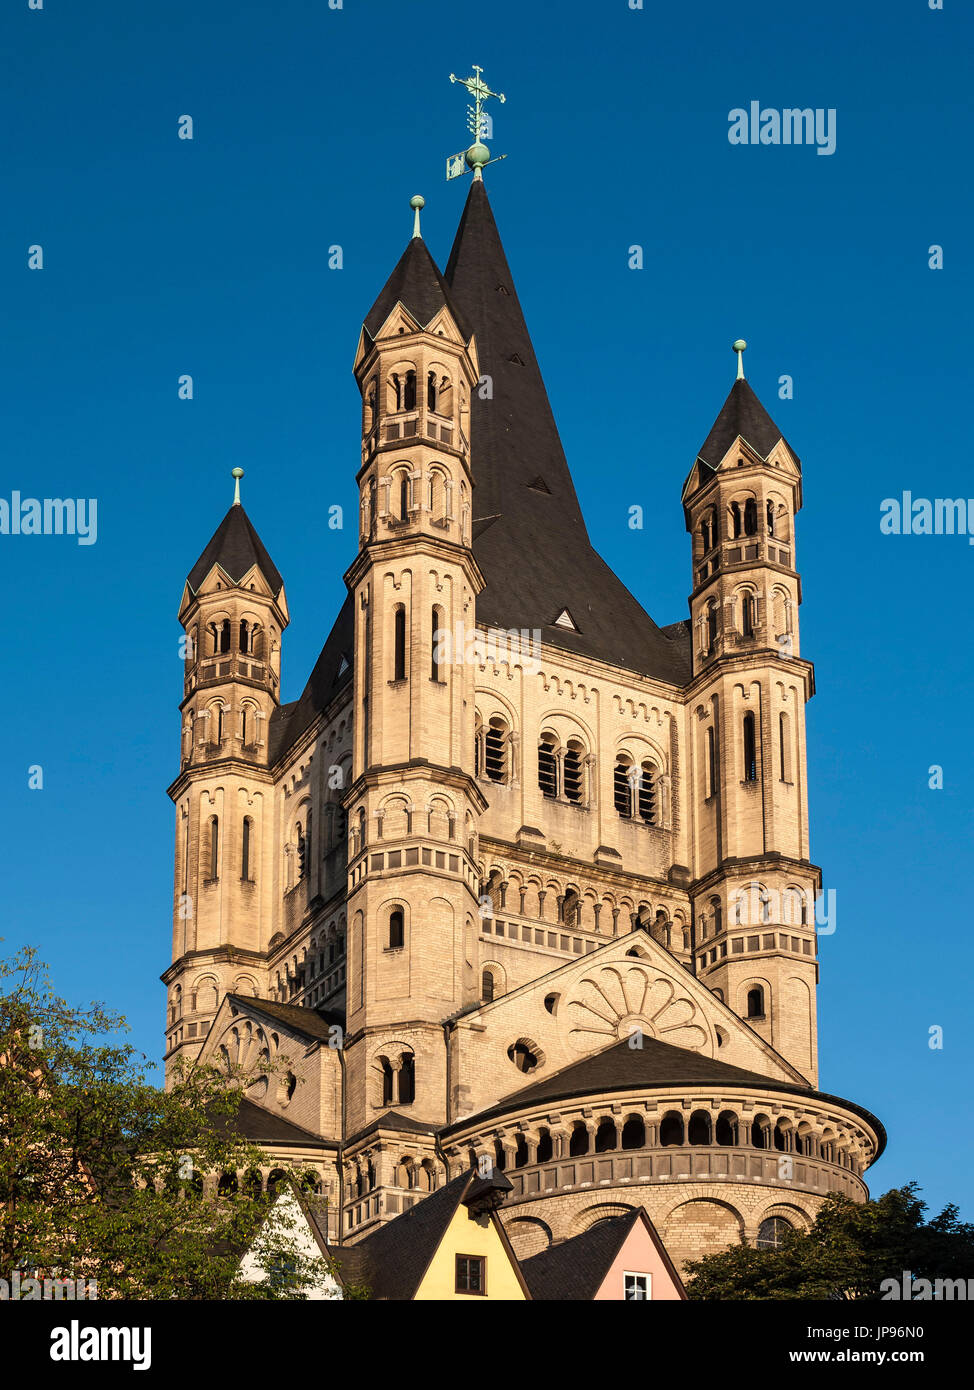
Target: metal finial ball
[236, 472]
[739, 345]
[477, 155]
[417, 201]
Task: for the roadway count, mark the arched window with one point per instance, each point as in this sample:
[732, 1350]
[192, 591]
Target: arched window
[747, 614]
[634, 1133]
[546, 1146]
[711, 762]
[548, 766]
[361, 828]
[407, 1078]
[773, 1232]
[244, 635]
[248, 828]
[302, 852]
[671, 1128]
[736, 519]
[388, 1077]
[750, 749]
[718, 915]
[397, 929]
[647, 793]
[711, 624]
[578, 1144]
[755, 1002]
[520, 1151]
[214, 847]
[750, 517]
[495, 750]
[783, 748]
[399, 644]
[487, 987]
[225, 635]
[605, 1136]
[698, 1130]
[409, 392]
[770, 518]
[726, 1128]
[622, 786]
[572, 772]
[431, 391]
[435, 638]
[219, 723]
[760, 1132]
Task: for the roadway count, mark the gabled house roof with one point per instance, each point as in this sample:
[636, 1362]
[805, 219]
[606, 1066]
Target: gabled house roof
[393, 1260]
[575, 1270]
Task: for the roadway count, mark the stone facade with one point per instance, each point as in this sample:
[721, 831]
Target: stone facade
[467, 859]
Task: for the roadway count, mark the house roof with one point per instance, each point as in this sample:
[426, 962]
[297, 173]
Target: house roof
[417, 284]
[236, 547]
[742, 414]
[620, 1067]
[393, 1260]
[530, 538]
[575, 1270]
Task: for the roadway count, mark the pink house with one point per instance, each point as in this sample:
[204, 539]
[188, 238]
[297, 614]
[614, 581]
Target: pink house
[621, 1259]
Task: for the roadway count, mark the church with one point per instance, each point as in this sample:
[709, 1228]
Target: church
[538, 902]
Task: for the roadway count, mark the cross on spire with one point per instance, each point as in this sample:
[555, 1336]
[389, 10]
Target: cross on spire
[478, 154]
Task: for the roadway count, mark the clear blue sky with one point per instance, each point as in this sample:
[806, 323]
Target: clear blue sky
[312, 128]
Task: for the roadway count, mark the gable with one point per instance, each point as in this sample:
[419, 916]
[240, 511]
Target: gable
[467, 1234]
[641, 1254]
[598, 1001]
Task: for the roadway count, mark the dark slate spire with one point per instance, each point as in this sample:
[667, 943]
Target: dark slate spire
[742, 414]
[417, 284]
[529, 535]
[236, 547]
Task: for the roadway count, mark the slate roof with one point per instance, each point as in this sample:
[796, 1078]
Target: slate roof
[393, 1259]
[575, 1270]
[741, 414]
[531, 541]
[392, 1119]
[289, 722]
[417, 284]
[656, 1064]
[310, 1023]
[252, 1121]
[235, 546]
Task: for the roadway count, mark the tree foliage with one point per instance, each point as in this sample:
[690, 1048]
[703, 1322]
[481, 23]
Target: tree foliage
[103, 1173]
[847, 1253]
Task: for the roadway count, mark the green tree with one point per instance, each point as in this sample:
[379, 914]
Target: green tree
[847, 1253]
[102, 1173]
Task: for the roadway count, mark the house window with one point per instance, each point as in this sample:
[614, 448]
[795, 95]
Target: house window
[637, 1288]
[471, 1274]
[755, 1002]
[487, 987]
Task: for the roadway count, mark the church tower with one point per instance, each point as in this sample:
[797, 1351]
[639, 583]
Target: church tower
[233, 613]
[747, 713]
[413, 804]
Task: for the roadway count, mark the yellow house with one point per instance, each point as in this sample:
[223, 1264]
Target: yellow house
[450, 1247]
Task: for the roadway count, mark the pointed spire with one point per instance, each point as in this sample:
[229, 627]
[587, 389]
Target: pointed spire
[742, 415]
[529, 539]
[416, 283]
[236, 547]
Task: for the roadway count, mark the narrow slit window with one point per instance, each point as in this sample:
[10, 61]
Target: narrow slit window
[495, 752]
[622, 789]
[548, 768]
[573, 773]
[647, 794]
[750, 749]
[399, 642]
